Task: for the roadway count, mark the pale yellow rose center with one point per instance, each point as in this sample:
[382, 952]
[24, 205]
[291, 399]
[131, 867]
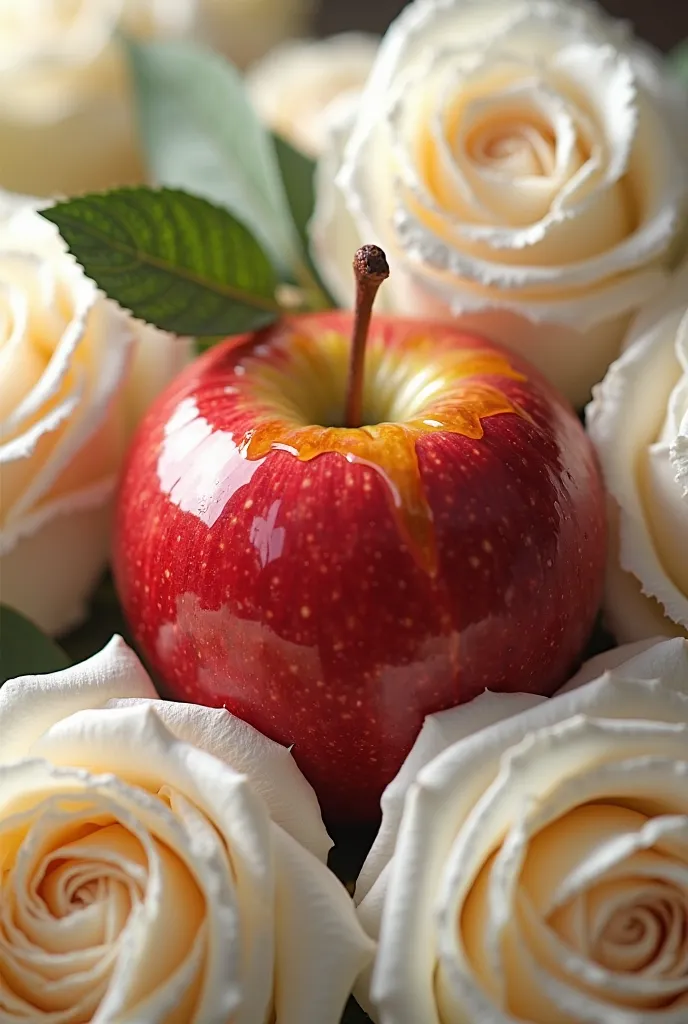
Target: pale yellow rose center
[517, 149]
[85, 897]
[633, 924]
[509, 155]
[587, 898]
[647, 931]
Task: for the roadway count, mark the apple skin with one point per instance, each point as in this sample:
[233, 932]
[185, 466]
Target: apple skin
[287, 592]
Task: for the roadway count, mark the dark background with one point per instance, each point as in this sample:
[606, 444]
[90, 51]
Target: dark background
[662, 22]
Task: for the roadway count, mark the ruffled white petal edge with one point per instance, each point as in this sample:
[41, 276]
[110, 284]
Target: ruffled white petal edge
[30, 705]
[114, 678]
[270, 766]
[446, 728]
[439, 731]
[619, 404]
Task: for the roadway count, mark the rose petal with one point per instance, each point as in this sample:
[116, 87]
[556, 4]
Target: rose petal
[309, 894]
[70, 540]
[30, 705]
[333, 232]
[269, 766]
[157, 359]
[613, 659]
[439, 732]
[293, 86]
[624, 420]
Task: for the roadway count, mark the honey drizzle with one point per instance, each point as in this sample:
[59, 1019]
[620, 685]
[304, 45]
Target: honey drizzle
[390, 448]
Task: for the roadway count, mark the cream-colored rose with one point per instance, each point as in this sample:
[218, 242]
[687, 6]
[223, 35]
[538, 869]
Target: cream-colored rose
[148, 19]
[638, 421]
[519, 161]
[245, 30]
[66, 112]
[75, 375]
[66, 117]
[295, 87]
[160, 863]
[532, 866]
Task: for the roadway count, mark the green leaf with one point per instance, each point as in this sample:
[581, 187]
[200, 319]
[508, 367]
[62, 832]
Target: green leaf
[172, 259]
[678, 60]
[200, 133]
[298, 177]
[24, 649]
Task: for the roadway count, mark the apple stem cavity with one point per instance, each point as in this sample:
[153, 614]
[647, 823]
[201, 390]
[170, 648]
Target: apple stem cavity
[370, 269]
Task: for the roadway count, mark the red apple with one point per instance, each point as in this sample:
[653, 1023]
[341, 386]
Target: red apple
[333, 586]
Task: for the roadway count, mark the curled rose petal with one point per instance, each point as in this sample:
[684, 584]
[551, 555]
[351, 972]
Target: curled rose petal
[638, 421]
[299, 84]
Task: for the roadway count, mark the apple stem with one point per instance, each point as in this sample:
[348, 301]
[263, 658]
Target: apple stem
[370, 269]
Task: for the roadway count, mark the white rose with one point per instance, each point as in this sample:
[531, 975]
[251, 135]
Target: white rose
[75, 375]
[160, 863]
[519, 162]
[295, 87]
[244, 30]
[638, 421]
[532, 866]
[151, 18]
[66, 118]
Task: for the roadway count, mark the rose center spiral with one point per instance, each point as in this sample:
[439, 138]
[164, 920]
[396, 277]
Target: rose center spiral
[515, 148]
[648, 933]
